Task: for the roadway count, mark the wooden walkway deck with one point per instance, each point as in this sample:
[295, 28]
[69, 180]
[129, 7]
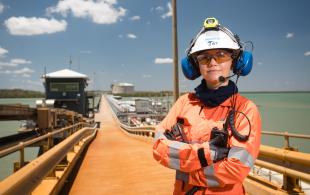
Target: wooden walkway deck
[116, 163]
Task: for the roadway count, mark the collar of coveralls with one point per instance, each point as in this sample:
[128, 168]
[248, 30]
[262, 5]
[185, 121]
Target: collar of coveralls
[212, 98]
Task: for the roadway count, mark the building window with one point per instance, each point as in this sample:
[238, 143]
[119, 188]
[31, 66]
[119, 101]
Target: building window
[61, 87]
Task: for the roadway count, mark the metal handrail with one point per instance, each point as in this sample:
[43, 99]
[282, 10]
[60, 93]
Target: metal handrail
[285, 155]
[148, 131]
[283, 170]
[286, 136]
[134, 129]
[22, 145]
[295, 135]
[30, 176]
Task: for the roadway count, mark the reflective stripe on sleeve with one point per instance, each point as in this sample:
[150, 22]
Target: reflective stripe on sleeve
[179, 175]
[241, 154]
[212, 154]
[159, 135]
[211, 179]
[174, 150]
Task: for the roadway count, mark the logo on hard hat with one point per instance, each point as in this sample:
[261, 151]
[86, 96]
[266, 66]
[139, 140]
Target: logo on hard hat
[212, 43]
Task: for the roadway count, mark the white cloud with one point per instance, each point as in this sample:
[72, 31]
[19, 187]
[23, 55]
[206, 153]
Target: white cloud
[25, 75]
[3, 52]
[1, 8]
[100, 11]
[14, 62]
[163, 61]
[169, 13]
[146, 76]
[20, 61]
[159, 9]
[5, 72]
[34, 26]
[8, 64]
[131, 36]
[289, 35]
[133, 18]
[24, 71]
[307, 53]
[85, 52]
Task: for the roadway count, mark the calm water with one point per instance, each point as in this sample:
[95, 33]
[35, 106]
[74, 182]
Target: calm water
[280, 112]
[284, 112]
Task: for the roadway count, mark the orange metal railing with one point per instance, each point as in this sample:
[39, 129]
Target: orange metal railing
[27, 179]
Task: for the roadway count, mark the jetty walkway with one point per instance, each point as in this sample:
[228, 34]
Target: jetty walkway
[116, 163]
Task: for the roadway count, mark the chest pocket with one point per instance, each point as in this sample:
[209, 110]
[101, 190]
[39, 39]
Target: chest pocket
[199, 130]
[196, 131]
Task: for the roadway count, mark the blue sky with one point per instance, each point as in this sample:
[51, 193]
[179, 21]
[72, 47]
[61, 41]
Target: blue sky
[130, 41]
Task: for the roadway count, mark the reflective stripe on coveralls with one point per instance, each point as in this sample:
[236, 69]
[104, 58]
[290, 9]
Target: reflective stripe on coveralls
[211, 178]
[179, 175]
[235, 152]
[243, 155]
[159, 135]
[174, 150]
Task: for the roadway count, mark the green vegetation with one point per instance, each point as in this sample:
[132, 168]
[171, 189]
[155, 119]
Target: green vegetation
[20, 93]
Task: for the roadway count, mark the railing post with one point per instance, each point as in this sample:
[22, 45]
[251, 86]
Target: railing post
[21, 155]
[269, 175]
[49, 141]
[291, 184]
[70, 132]
[286, 140]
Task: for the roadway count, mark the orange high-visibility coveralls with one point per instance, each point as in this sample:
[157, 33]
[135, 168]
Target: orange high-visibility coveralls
[223, 177]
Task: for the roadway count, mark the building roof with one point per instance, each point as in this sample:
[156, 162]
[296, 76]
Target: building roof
[65, 73]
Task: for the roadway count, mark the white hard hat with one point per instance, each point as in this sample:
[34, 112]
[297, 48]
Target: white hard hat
[214, 39]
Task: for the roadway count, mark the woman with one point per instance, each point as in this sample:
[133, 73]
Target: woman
[211, 137]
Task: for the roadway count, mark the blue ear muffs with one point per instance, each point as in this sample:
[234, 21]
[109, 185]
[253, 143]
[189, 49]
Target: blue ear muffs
[244, 64]
[189, 69]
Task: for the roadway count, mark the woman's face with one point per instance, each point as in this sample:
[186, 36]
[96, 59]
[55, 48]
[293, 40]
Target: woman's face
[213, 64]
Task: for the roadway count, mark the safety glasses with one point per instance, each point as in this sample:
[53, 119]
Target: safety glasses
[219, 56]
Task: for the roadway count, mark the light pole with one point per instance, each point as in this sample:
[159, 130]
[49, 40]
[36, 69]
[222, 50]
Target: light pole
[175, 51]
